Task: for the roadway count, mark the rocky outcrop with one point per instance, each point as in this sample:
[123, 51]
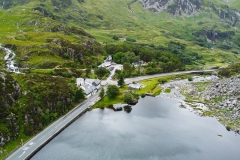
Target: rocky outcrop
[231, 16]
[177, 7]
[221, 97]
[212, 36]
[226, 95]
[10, 91]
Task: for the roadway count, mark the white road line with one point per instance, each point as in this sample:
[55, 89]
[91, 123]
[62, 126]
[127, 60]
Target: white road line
[41, 138]
[31, 143]
[25, 148]
[21, 155]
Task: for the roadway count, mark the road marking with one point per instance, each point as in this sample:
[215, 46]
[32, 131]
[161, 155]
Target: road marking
[25, 148]
[41, 138]
[31, 143]
[58, 125]
[21, 155]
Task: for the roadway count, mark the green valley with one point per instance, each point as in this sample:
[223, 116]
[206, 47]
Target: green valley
[57, 41]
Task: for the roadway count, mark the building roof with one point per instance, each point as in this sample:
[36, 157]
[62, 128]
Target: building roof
[89, 81]
[109, 58]
[88, 88]
[135, 86]
[105, 64]
[80, 81]
[96, 82]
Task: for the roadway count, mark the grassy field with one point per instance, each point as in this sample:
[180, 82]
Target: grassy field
[150, 86]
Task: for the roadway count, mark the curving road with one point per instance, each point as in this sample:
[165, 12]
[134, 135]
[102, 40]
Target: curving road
[135, 79]
[47, 134]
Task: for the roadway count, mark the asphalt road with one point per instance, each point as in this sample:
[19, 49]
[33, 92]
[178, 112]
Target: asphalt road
[130, 80]
[28, 148]
[135, 79]
[24, 151]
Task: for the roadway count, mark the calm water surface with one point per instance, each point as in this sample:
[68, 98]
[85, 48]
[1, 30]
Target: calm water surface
[155, 129]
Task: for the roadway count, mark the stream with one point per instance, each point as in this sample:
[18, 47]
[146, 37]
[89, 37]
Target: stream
[9, 58]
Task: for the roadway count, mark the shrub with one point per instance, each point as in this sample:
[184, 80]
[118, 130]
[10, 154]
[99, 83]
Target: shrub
[228, 128]
[128, 98]
[112, 91]
[162, 80]
[190, 79]
[167, 90]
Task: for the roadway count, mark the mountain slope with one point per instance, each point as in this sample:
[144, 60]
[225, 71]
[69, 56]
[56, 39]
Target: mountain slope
[38, 36]
[46, 34]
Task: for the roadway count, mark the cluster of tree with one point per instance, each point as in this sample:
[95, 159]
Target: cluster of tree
[179, 49]
[174, 50]
[101, 72]
[125, 57]
[112, 91]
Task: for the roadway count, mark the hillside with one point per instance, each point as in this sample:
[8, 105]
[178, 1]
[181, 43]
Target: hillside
[210, 28]
[56, 41]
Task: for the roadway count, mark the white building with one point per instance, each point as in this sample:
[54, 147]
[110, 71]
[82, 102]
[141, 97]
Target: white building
[80, 82]
[135, 86]
[90, 86]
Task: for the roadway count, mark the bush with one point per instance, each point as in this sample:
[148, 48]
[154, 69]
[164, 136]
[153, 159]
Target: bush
[112, 91]
[167, 90]
[130, 40]
[115, 37]
[190, 79]
[162, 80]
[128, 98]
[228, 128]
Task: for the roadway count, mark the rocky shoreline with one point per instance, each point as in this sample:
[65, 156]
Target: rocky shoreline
[220, 96]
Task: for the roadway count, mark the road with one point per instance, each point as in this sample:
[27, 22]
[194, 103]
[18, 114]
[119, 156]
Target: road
[135, 79]
[31, 146]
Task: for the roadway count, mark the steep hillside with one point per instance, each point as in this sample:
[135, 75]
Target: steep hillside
[210, 28]
[178, 7]
[58, 40]
[41, 40]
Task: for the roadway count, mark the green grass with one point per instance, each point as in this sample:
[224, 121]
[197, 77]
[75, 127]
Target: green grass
[167, 90]
[12, 145]
[42, 71]
[106, 101]
[157, 90]
[150, 87]
[219, 99]
[207, 113]
[201, 86]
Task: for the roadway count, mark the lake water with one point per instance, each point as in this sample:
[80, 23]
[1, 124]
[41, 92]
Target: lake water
[156, 129]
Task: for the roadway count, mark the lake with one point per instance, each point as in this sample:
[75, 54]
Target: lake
[156, 128]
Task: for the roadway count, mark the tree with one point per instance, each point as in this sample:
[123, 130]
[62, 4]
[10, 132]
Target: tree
[128, 98]
[121, 80]
[115, 37]
[101, 72]
[112, 91]
[79, 95]
[190, 78]
[127, 69]
[102, 93]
